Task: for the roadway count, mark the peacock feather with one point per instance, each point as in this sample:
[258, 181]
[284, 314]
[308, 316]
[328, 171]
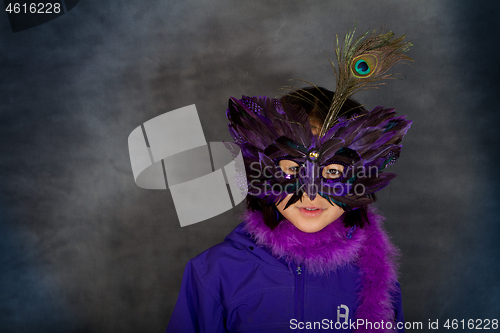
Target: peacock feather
[362, 63]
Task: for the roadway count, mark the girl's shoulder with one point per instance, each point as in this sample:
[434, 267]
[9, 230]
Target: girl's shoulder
[236, 258]
[238, 250]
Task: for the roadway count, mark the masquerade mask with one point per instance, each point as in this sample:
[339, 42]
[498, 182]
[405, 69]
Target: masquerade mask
[344, 163]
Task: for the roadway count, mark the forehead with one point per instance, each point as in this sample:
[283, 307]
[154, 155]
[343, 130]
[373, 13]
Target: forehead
[316, 124]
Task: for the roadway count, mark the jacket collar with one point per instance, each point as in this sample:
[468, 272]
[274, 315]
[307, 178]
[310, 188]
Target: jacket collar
[321, 252]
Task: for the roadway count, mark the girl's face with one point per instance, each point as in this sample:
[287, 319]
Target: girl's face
[310, 215]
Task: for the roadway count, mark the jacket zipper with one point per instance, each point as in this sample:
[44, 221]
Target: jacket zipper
[299, 294]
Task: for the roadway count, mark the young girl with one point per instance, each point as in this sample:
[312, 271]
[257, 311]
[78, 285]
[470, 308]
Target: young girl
[311, 254]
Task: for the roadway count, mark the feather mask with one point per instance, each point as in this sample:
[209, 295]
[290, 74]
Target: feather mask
[344, 163]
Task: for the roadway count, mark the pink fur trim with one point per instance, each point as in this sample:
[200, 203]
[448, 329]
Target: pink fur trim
[378, 264]
[320, 252]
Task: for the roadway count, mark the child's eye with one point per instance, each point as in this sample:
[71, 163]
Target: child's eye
[289, 167]
[333, 171]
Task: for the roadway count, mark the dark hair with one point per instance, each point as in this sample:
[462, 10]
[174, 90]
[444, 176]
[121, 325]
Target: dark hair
[316, 102]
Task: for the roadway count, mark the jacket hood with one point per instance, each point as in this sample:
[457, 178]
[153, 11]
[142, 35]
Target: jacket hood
[242, 239]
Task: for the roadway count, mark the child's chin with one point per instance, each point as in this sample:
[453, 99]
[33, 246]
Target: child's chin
[310, 226]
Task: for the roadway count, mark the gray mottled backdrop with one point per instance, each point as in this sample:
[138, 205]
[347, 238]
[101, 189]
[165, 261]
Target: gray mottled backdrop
[83, 249]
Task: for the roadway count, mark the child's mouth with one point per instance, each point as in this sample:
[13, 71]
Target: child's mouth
[310, 211]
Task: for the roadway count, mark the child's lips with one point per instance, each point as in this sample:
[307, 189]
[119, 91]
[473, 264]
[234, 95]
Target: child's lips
[311, 211]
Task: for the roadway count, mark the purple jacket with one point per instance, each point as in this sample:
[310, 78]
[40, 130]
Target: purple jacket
[237, 286]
